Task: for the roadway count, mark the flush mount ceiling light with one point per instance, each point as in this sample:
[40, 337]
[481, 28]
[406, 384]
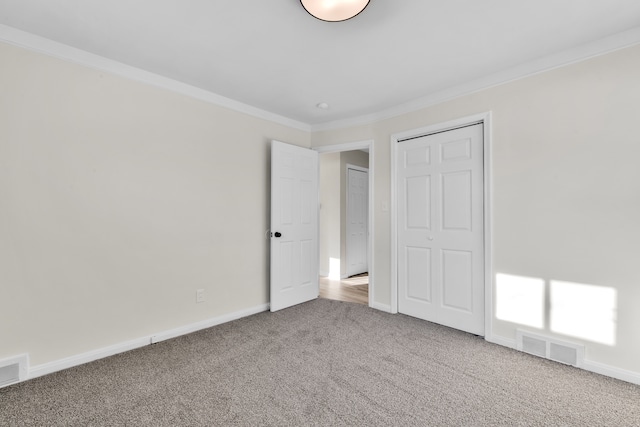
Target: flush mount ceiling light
[334, 10]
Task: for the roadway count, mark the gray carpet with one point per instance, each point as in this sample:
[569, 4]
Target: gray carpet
[323, 363]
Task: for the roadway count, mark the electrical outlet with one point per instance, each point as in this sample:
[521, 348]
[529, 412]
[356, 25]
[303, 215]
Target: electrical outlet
[200, 295]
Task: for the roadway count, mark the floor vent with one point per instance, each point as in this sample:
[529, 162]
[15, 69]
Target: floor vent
[550, 348]
[13, 370]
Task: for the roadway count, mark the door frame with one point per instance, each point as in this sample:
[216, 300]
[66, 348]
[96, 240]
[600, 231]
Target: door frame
[354, 146]
[346, 243]
[484, 118]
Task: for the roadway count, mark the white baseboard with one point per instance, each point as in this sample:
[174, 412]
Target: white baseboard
[90, 356]
[172, 333]
[610, 371]
[80, 359]
[505, 342]
[382, 307]
[587, 365]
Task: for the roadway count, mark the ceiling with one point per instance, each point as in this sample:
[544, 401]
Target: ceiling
[272, 55]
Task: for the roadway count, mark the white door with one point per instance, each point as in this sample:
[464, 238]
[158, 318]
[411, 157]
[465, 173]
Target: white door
[440, 228]
[357, 220]
[294, 225]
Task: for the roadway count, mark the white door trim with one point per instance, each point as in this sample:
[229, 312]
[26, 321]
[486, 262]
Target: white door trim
[347, 228]
[360, 145]
[485, 118]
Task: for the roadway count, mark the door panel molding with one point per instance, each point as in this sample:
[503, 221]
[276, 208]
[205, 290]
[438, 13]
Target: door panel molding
[294, 225]
[454, 152]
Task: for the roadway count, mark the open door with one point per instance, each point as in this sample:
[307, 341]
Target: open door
[294, 225]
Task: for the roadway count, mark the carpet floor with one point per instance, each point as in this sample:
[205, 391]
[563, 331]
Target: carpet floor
[323, 363]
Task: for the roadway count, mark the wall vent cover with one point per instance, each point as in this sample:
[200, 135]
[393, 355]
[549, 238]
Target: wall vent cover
[13, 370]
[9, 374]
[534, 346]
[564, 354]
[550, 348]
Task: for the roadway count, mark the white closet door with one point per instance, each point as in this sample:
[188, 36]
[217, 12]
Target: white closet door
[440, 228]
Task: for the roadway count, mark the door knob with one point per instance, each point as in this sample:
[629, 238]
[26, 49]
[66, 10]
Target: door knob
[278, 234]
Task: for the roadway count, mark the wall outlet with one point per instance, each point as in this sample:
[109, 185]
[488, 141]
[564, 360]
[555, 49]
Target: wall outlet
[199, 295]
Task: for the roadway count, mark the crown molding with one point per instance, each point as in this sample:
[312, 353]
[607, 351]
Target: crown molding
[580, 53]
[567, 57]
[48, 47]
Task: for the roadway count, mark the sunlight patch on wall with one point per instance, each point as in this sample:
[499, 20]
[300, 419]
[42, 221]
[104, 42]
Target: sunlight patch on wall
[520, 299]
[584, 311]
[334, 268]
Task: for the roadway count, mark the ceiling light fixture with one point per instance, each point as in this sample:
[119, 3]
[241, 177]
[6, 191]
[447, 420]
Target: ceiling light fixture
[334, 10]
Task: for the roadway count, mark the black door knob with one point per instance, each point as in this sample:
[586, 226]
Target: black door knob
[278, 234]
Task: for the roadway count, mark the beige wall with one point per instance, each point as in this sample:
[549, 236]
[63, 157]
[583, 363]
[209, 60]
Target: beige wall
[117, 201]
[565, 186]
[329, 212]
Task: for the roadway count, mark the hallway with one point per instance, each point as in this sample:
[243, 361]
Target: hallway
[353, 289]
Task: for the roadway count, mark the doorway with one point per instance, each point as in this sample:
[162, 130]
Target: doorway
[346, 273]
[352, 289]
